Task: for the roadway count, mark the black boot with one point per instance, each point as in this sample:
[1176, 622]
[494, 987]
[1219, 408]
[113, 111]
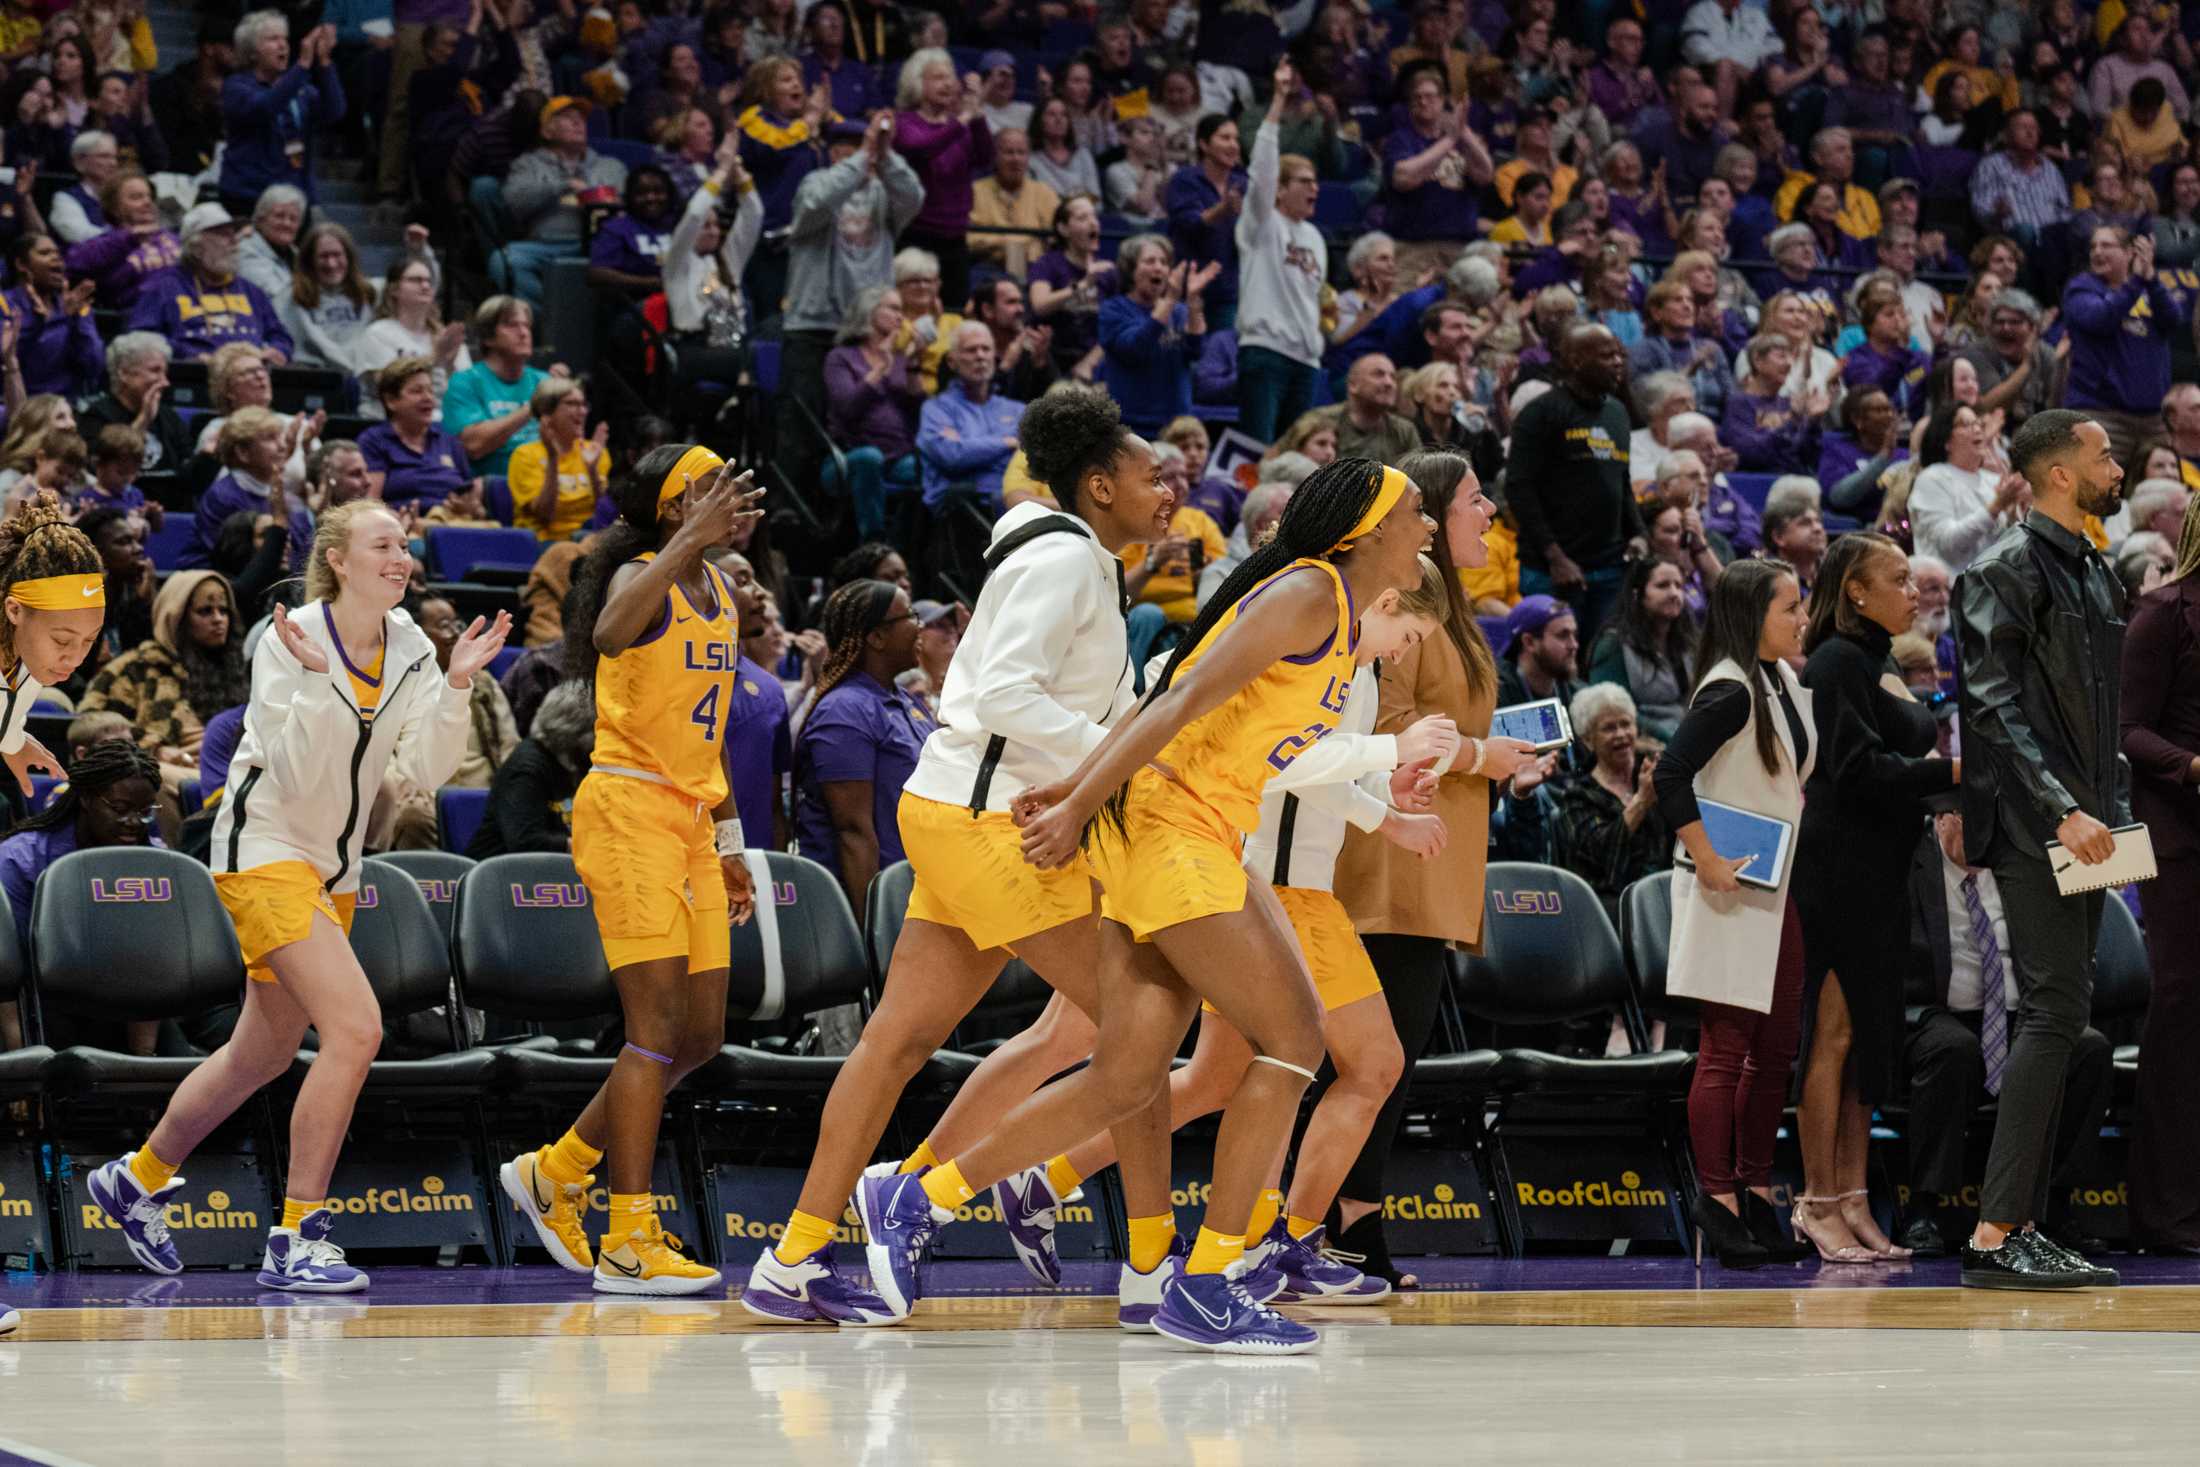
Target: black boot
[1365, 1238]
[1763, 1221]
[1725, 1233]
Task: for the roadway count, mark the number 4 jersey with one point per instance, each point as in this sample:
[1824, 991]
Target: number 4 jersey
[661, 705]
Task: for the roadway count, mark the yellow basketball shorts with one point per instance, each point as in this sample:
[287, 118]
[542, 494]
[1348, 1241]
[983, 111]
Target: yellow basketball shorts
[1175, 860]
[272, 906]
[649, 857]
[972, 875]
[1332, 949]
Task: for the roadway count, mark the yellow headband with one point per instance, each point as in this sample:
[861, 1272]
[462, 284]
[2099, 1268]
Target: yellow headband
[693, 465]
[1394, 487]
[61, 593]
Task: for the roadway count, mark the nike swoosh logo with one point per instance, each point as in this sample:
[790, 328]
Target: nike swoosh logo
[1213, 1321]
[633, 1273]
[781, 1289]
[91, 591]
[534, 1188]
[682, 620]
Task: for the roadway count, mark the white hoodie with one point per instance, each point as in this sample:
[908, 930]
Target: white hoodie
[308, 766]
[1344, 779]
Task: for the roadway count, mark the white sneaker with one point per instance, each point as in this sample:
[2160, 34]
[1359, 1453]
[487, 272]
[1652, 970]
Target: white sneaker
[9, 1319]
[1138, 1295]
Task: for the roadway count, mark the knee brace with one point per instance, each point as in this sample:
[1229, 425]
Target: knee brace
[651, 1054]
[1269, 1059]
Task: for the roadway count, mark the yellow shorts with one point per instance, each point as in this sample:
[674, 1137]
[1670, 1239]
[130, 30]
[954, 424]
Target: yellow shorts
[649, 857]
[1175, 860]
[1333, 951]
[972, 875]
[272, 907]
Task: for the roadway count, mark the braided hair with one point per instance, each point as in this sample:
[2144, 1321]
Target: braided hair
[37, 541]
[1319, 513]
[635, 530]
[852, 613]
[100, 767]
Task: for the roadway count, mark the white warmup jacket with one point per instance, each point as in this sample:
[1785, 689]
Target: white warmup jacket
[1043, 669]
[21, 696]
[1344, 779]
[308, 766]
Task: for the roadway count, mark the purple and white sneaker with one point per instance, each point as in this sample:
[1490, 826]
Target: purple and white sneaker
[809, 1292]
[141, 1215]
[9, 1319]
[1029, 1208]
[306, 1262]
[1138, 1296]
[900, 1223]
[1316, 1276]
[1212, 1311]
[1264, 1281]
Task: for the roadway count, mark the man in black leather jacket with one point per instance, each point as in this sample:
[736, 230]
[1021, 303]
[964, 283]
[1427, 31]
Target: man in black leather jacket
[2040, 626]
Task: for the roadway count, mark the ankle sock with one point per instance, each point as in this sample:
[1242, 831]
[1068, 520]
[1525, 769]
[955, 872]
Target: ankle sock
[805, 1236]
[569, 1160]
[1150, 1240]
[1299, 1227]
[1214, 1252]
[1063, 1177]
[944, 1184]
[151, 1172]
[920, 1159]
[294, 1211]
[1265, 1213]
[629, 1212]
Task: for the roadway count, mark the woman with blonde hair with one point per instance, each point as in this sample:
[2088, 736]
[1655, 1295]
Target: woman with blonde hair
[1313, 434]
[237, 377]
[28, 425]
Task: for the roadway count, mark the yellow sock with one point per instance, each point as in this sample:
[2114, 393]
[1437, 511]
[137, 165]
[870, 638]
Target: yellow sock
[151, 1172]
[1265, 1213]
[1063, 1177]
[920, 1158]
[570, 1160]
[1150, 1240]
[629, 1212]
[294, 1211]
[944, 1184]
[1301, 1226]
[1214, 1252]
[805, 1235]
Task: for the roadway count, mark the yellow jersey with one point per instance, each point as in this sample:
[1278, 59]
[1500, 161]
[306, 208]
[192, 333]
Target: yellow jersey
[1227, 757]
[661, 705]
[1175, 591]
[366, 682]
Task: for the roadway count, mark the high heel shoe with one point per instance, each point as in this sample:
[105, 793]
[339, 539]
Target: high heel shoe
[1851, 1253]
[1727, 1234]
[1893, 1252]
[1763, 1221]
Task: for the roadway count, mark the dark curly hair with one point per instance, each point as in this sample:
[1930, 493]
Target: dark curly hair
[100, 767]
[1068, 434]
[36, 541]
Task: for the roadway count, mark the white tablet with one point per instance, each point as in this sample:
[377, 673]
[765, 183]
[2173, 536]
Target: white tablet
[1542, 723]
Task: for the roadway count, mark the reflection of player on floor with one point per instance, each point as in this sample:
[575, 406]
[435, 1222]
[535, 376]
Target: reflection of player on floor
[1266, 673]
[348, 677]
[1041, 670]
[657, 840]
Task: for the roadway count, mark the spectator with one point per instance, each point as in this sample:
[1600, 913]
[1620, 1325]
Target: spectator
[703, 267]
[1023, 353]
[781, 129]
[119, 537]
[274, 112]
[1649, 647]
[758, 743]
[1885, 359]
[1660, 397]
[545, 193]
[188, 98]
[1803, 323]
[1797, 268]
[1434, 166]
[2144, 128]
[1567, 483]
[1431, 396]
[1011, 197]
[2017, 191]
[327, 305]
[1670, 344]
[118, 457]
[56, 347]
[336, 473]
[852, 85]
[927, 325]
[1795, 533]
[191, 668]
[267, 254]
[687, 147]
[2157, 506]
[34, 420]
[1151, 334]
[1818, 208]
[237, 378]
[57, 463]
[253, 448]
[1607, 827]
[2116, 76]
[2017, 372]
[490, 405]
[1257, 516]
[859, 743]
[1204, 198]
[1003, 113]
[627, 251]
[1619, 85]
[409, 459]
[1068, 284]
[2120, 319]
[1137, 181]
[1854, 456]
[1432, 45]
[404, 816]
[201, 303]
[408, 323]
[558, 480]
[1091, 111]
[135, 247]
[1366, 423]
[966, 435]
[871, 397]
[1770, 432]
[124, 111]
[940, 129]
[1542, 655]
[1063, 161]
[531, 794]
[137, 386]
[75, 213]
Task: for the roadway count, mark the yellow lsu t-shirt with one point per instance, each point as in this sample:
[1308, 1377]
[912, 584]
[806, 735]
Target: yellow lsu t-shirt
[577, 492]
[1177, 593]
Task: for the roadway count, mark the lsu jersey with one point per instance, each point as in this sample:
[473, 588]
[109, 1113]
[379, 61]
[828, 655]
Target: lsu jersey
[663, 703]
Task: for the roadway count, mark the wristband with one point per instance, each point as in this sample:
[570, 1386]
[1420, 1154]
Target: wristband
[729, 837]
[1481, 753]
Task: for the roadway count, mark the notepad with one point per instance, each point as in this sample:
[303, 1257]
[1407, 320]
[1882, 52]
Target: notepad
[1760, 842]
[2133, 861]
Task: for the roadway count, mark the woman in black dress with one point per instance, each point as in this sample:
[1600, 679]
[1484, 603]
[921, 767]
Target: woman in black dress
[1862, 812]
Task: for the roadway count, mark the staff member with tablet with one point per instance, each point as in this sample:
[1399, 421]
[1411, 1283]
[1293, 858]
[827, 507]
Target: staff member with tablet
[1737, 946]
[1862, 810]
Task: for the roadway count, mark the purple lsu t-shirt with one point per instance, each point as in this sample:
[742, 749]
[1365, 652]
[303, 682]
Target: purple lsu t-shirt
[758, 749]
[626, 244]
[860, 730]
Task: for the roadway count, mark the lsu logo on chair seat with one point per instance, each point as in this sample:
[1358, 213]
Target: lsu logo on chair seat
[1528, 903]
[132, 889]
[439, 890]
[550, 894]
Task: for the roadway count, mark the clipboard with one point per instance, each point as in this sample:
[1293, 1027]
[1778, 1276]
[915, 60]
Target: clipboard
[2133, 861]
[1737, 834]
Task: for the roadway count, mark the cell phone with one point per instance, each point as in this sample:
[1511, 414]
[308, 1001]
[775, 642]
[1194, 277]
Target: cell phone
[1542, 724]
